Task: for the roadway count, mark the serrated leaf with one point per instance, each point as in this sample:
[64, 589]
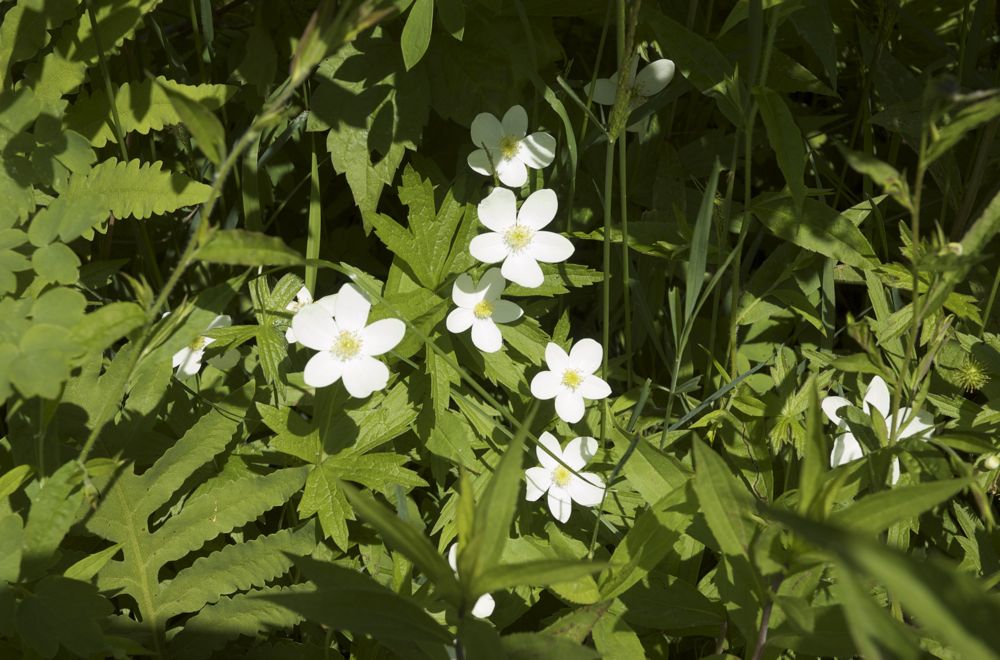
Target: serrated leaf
[139, 190]
[247, 248]
[142, 107]
[53, 511]
[205, 127]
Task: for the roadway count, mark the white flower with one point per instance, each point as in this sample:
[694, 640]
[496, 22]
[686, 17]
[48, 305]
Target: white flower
[506, 148]
[485, 604]
[347, 345]
[571, 378]
[846, 447]
[647, 83]
[302, 299]
[563, 486]
[516, 238]
[187, 361]
[481, 308]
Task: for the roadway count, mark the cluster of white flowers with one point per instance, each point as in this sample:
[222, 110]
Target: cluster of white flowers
[846, 447]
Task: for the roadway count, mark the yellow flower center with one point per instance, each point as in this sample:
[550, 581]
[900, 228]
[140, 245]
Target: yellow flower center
[572, 379]
[483, 309]
[509, 146]
[198, 344]
[518, 237]
[561, 476]
[347, 345]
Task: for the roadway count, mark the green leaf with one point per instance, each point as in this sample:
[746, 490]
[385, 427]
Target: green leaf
[12, 479]
[405, 538]
[205, 127]
[247, 248]
[107, 324]
[786, 140]
[56, 262]
[138, 190]
[699, 243]
[417, 32]
[817, 228]
[11, 532]
[879, 511]
[323, 498]
[63, 612]
[343, 599]
[723, 500]
[534, 646]
[86, 568]
[948, 603]
[882, 173]
[142, 107]
[533, 573]
[814, 462]
[53, 511]
[965, 120]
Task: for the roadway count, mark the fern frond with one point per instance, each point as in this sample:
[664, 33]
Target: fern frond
[139, 190]
[142, 107]
[235, 568]
[246, 614]
[74, 50]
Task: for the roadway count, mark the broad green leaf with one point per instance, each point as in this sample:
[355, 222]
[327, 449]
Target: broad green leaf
[882, 173]
[417, 32]
[532, 646]
[53, 511]
[63, 612]
[405, 538]
[786, 140]
[86, 568]
[965, 120]
[877, 512]
[948, 603]
[815, 454]
[873, 629]
[817, 228]
[534, 573]
[323, 498]
[106, 325]
[343, 599]
[11, 532]
[205, 127]
[12, 479]
[56, 262]
[142, 107]
[247, 248]
[723, 500]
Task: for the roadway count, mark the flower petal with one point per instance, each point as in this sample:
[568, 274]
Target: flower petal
[515, 122]
[521, 269]
[538, 479]
[538, 150]
[484, 606]
[364, 376]
[594, 388]
[382, 336]
[492, 284]
[352, 308]
[585, 356]
[329, 303]
[504, 311]
[303, 297]
[479, 162]
[486, 336]
[489, 248]
[180, 357]
[453, 557]
[322, 369]
[831, 405]
[487, 131]
[512, 172]
[560, 503]
[314, 327]
[556, 357]
[569, 406]
[845, 449]
[498, 210]
[465, 293]
[579, 451]
[192, 362]
[546, 385]
[877, 397]
[586, 489]
[920, 423]
[550, 247]
[894, 472]
[548, 458]
[654, 77]
[459, 320]
[539, 209]
[290, 335]
[605, 90]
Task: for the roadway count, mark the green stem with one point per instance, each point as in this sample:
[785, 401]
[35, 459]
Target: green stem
[626, 291]
[315, 220]
[609, 166]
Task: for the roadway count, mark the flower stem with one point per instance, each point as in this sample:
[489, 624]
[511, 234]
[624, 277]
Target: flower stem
[609, 167]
